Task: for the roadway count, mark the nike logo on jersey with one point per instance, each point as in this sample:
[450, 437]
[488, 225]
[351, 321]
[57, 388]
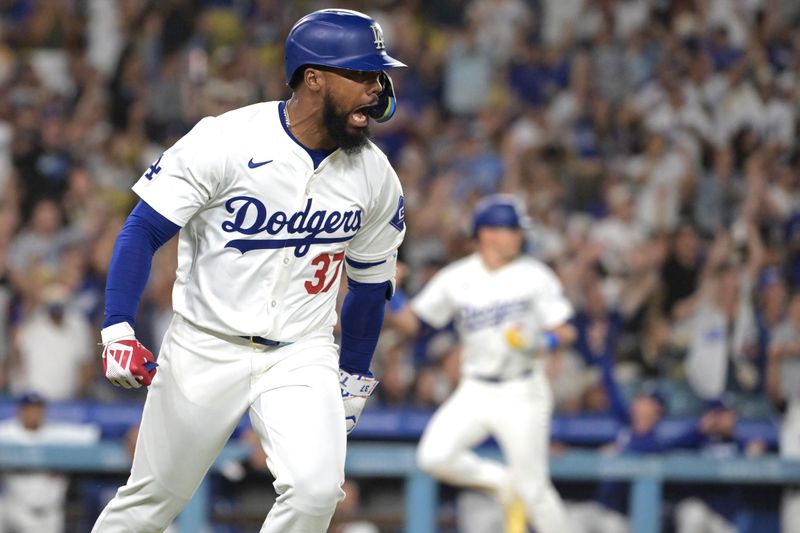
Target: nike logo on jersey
[253, 164]
[250, 217]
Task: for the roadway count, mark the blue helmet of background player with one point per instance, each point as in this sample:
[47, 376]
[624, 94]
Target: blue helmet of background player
[345, 39]
[499, 211]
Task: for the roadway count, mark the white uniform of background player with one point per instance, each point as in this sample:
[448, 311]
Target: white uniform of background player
[503, 392]
[265, 233]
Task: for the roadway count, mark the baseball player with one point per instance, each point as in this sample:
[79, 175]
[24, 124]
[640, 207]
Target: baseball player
[509, 311]
[272, 203]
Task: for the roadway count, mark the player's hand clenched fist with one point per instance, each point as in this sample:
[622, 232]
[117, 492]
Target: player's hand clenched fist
[126, 362]
[355, 391]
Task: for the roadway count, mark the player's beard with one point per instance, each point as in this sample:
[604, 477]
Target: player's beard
[336, 124]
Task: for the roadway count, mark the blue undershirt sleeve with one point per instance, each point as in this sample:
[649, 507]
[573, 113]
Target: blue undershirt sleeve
[361, 321]
[144, 232]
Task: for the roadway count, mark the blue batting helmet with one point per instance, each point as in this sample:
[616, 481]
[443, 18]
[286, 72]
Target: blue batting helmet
[499, 211]
[339, 38]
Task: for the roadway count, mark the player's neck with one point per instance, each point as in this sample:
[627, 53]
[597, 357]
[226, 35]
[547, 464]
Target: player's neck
[305, 123]
[494, 261]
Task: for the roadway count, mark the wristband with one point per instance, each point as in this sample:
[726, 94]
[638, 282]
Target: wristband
[551, 341]
[115, 332]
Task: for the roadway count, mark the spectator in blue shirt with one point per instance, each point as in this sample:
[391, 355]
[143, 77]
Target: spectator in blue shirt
[709, 508]
[636, 435]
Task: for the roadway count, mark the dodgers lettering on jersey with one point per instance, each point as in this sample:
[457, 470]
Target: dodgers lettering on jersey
[473, 317]
[484, 304]
[250, 217]
[264, 236]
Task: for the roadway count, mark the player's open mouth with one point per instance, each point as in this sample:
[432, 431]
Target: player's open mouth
[359, 118]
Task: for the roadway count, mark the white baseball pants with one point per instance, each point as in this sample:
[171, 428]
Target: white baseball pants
[517, 414]
[204, 385]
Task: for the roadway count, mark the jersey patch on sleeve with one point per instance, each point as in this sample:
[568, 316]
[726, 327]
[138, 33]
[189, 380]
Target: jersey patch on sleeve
[154, 169]
[399, 218]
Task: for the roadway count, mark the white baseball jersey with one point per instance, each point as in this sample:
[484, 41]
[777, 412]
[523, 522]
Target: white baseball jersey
[484, 304]
[264, 236]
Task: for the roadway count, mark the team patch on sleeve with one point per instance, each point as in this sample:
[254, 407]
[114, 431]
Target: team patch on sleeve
[154, 169]
[399, 218]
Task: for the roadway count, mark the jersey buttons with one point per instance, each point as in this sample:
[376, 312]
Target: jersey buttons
[285, 260]
[273, 303]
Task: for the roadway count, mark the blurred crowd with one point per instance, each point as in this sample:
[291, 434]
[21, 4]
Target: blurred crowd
[652, 140]
[653, 143]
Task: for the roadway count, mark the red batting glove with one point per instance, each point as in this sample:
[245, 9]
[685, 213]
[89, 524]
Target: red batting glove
[126, 362]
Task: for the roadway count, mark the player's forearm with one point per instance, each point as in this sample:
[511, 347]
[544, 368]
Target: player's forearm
[404, 321]
[127, 278]
[142, 234]
[361, 322]
[399, 315]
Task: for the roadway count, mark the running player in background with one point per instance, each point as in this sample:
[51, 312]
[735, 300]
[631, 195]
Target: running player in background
[271, 201]
[510, 313]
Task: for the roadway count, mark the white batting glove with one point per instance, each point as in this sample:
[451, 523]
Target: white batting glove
[126, 362]
[355, 391]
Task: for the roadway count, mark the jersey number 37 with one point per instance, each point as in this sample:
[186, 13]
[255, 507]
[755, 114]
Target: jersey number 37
[323, 264]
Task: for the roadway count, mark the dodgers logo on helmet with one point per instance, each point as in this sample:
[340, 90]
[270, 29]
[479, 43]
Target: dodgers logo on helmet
[339, 38]
[377, 32]
[499, 211]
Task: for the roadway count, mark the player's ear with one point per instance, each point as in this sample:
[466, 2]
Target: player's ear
[314, 79]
